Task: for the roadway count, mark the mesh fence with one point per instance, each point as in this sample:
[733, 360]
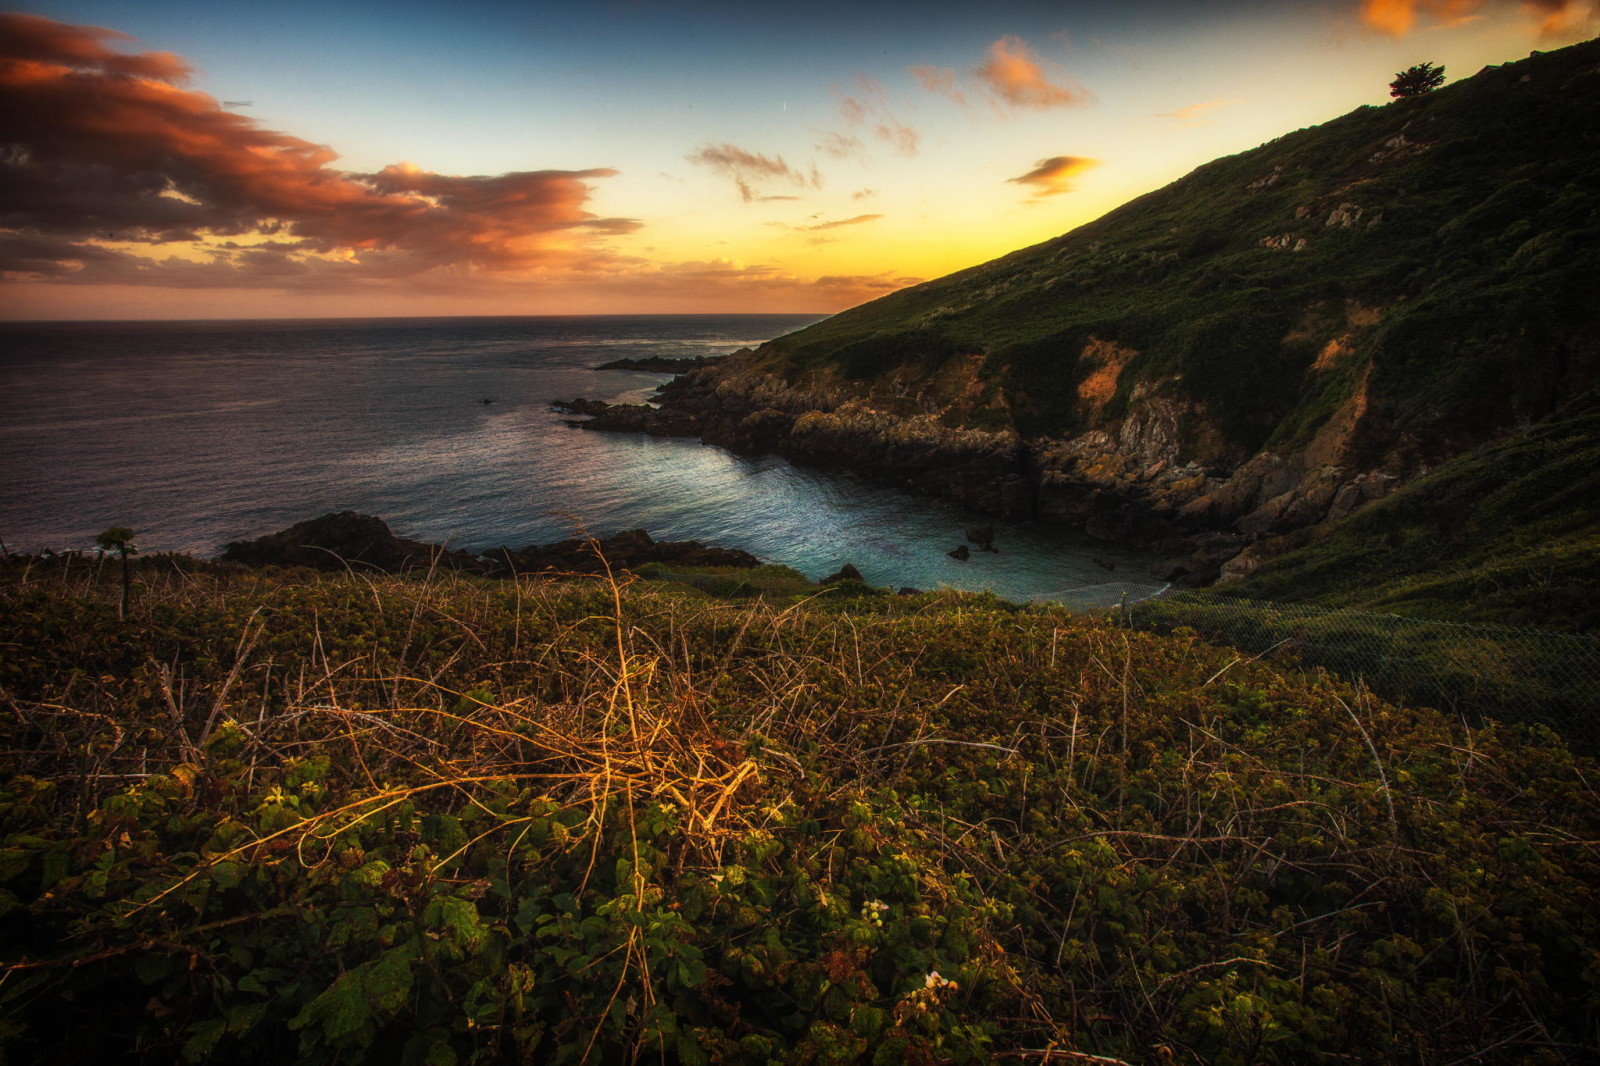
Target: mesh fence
[1479, 671]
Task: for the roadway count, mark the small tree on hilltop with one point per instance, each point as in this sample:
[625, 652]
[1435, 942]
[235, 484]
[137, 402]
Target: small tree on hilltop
[1414, 81]
[120, 540]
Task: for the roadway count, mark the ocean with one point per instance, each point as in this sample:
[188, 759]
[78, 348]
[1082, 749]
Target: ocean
[198, 433]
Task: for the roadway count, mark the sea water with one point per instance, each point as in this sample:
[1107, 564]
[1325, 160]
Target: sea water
[198, 433]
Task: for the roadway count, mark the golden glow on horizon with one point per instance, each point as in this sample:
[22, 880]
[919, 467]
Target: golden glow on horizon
[853, 187]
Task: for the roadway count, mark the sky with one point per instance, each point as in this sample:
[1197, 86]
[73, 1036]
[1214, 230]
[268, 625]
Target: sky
[180, 159]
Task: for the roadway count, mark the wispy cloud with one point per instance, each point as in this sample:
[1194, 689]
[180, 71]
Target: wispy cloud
[746, 168]
[840, 145]
[1193, 115]
[897, 135]
[941, 80]
[866, 104]
[858, 103]
[1555, 18]
[1054, 176]
[837, 223]
[109, 148]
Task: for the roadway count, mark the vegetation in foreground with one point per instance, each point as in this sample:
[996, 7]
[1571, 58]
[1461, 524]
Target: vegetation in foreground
[289, 816]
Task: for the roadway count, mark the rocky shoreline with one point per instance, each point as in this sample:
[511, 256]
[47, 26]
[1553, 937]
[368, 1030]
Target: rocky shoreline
[660, 364]
[1129, 482]
[347, 540]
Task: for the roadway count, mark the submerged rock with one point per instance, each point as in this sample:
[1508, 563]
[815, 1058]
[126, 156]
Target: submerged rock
[961, 552]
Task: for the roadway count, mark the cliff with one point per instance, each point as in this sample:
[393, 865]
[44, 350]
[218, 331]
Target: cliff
[1270, 343]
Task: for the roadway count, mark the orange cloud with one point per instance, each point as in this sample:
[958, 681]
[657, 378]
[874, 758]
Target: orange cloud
[856, 221]
[1053, 176]
[746, 168]
[102, 147]
[1014, 75]
[34, 39]
[1556, 18]
[1191, 115]
[1563, 18]
[123, 193]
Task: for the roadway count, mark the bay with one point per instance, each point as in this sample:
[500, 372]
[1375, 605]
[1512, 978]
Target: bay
[198, 433]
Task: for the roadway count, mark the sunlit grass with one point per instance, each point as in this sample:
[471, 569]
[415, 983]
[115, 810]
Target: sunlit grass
[286, 815]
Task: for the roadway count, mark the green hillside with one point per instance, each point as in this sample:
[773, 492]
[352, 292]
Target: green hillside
[1450, 246]
[1507, 534]
[290, 816]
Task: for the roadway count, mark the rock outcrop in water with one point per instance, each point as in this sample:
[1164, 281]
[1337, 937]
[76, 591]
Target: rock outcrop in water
[347, 540]
[660, 364]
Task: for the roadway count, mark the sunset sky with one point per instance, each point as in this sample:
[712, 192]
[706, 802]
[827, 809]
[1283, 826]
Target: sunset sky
[178, 159]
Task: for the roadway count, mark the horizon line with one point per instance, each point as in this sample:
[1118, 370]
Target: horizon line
[410, 318]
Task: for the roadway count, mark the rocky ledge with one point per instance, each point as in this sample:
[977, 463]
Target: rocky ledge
[1135, 481]
[657, 364]
[348, 540]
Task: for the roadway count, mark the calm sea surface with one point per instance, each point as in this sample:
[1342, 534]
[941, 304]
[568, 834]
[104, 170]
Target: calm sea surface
[195, 434]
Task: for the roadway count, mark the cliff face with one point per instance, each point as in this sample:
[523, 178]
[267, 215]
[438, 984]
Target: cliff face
[1269, 343]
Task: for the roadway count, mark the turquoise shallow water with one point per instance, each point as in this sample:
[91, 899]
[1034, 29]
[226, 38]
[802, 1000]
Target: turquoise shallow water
[195, 434]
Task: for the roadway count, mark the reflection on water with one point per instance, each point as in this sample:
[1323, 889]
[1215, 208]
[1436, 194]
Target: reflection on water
[196, 434]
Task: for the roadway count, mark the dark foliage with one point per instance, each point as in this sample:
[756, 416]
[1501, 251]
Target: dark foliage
[1414, 81]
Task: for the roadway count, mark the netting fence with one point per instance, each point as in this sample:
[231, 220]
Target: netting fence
[1477, 671]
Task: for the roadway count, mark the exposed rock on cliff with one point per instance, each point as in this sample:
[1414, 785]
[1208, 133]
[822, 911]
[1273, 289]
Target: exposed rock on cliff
[1167, 375]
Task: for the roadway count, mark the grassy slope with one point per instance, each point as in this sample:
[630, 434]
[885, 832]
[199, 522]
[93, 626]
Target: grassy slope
[1508, 534]
[320, 818]
[1482, 264]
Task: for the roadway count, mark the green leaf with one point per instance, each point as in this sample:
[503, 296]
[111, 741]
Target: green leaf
[244, 1016]
[203, 1037]
[387, 981]
[226, 875]
[347, 1007]
[459, 918]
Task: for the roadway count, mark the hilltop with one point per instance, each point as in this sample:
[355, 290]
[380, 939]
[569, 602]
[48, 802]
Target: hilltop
[1271, 343]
